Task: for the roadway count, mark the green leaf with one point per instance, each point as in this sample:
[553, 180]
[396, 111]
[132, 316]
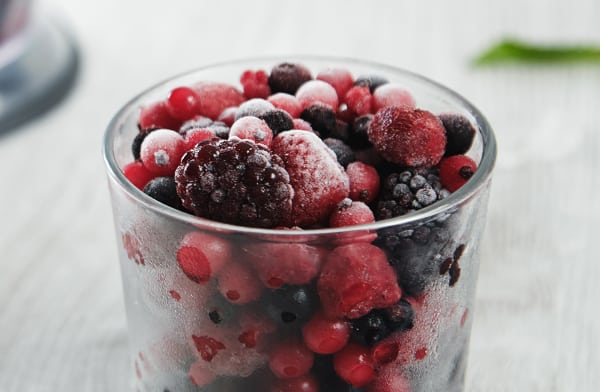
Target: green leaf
[514, 51]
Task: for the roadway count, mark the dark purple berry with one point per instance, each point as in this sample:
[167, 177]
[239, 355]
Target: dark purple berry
[220, 129]
[195, 123]
[358, 132]
[342, 151]
[370, 328]
[321, 118]
[459, 133]
[399, 317]
[287, 77]
[290, 304]
[164, 190]
[278, 120]
[136, 145]
[235, 181]
[371, 81]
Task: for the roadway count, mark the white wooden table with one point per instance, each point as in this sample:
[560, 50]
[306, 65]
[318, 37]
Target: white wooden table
[62, 322]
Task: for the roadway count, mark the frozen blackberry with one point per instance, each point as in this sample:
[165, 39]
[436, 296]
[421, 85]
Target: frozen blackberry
[407, 191]
[459, 133]
[291, 304]
[287, 77]
[358, 132]
[164, 190]
[370, 328]
[321, 118]
[278, 120]
[371, 81]
[235, 181]
[342, 151]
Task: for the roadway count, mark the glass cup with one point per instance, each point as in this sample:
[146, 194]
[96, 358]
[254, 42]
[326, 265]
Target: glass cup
[218, 307]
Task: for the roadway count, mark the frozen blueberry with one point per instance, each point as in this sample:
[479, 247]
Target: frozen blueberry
[136, 145]
[290, 304]
[278, 120]
[321, 118]
[399, 317]
[370, 328]
[371, 81]
[342, 151]
[164, 189]
[358, 132]
[459, 133]
[287, 77]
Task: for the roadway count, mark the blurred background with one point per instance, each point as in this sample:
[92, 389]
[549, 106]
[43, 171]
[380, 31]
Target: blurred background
[62, 323]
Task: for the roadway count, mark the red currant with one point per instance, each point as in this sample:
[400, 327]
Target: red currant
[354, 365]
[290, 359]
[183, 103]
[325, 336]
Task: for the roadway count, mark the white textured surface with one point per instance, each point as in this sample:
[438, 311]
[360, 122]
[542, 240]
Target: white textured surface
[62, 324]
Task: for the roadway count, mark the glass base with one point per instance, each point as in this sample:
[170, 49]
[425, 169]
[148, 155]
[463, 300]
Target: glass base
[40, 76]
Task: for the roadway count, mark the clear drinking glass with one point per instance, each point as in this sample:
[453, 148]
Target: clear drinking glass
[186, 336]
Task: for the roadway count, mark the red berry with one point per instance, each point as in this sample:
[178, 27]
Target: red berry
[200, 375]
[354, 365]
[201, 256]
[156, 115]
[351, 213]
[238, 284]
[137, 174]
[340, 78]
[317, 92]
[161, 151]
[391, 94]
[207, 346]
[305, 383]
[359, 100]
[253, 128]
[216, 97]
[183, 103]
[389, 379]
[318, 180]
[325, 336]
[355, 279]
[456, 170]
[290, 359]
[227, 116]
[364, 181]
[287, 102]
[255, 84]
[302, 125]
[195, 136]
[409, 137]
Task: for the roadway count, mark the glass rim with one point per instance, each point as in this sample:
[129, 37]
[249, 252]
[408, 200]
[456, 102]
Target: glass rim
[471, 188]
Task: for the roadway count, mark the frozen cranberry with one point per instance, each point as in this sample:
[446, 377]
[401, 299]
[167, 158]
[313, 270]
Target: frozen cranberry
[456, 170]
[325, 336]
[161, 151]
[359, 100]
[340, 78]
[137, 174]
[183, 103]
[364, 181]
[156, 115]
[354, 365]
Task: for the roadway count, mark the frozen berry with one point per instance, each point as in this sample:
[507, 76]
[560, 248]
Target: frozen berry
[215, 97]
[456, 170]
[459, 133]
[200, 375]
[278, 120]
[255, 84]
[359, 100]
[340, 78]
[287, 102]
[358, 130]
[201, 256]
[343, 152]
[371, 81]
[137, 174]
[161, 151]
[389, 379]
[136, 145]
[319, 181]
[290, 359]
[364, 182]
[325, 336]
[398, 317]
[291, 304]
[409, 137]
[255, 107]
[220, 129]
[351, 213]
[355, 279]
[156, 115]
[287, 77]
[238, 284]
[317, 92]
[235, 181]
[321, 118]
[369, 329]
[164, 190]
[183, 103]
[196, 135]
[197, 122]
[304, 383]
[227, 117]
[252, 128]
[302, 125]
[355, 365]
[391, 94]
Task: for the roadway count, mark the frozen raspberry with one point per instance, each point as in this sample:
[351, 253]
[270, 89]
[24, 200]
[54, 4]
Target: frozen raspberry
[371, 81]
[325, 336]
[359, 100]
[355, 279]
[137, 174]
[340, 78]
[321, 118]
[319, 181]
[238, 284]
[302, 125]
[291, 304]
[183, 103]
[287, 102]
[317, 92]
[227, 116]
[287, 77]
[156, 115]
[342, 151]
[391, 94]
[305, 383]
[200, 375]
[253, 107]
[459, 133]
[351, 213]
[252, 128]
[277, 264]
[235, 181]
[255, 84]
[216, 97]
[278, 120]
[364, 182]
[456, 170]
[408, 191]
[290, 359]
[164, 190]
[414, 138]
[354, 365]
[196, 135]
[201, 256]
[161, 151]
[358, 130]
